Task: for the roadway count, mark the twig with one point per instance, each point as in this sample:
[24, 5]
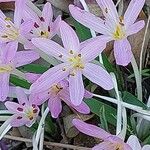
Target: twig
[15, 138]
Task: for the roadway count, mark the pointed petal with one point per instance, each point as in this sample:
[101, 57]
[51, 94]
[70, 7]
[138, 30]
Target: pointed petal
[136, 27]
[50, 77]
[19, 12]
[123, 54]
[4, 86]
[9, 51]
[51, 48]
[55, 106]
[18, 122]
[25, 57]
[26, 27]
[109, 10]
[82, 108]
[12, 107]
[47, 13]
[98, 75]
[69, 37]
[93, 48]
[89, 20]
[90, 130]
[21, 96]
[76, 88]
[146, 147]
[133, 11]
[55, 26]
[134, 142]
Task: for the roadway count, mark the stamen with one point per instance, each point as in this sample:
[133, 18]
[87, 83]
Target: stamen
[71, 51]
[20, 109]
[36, 25]
[35, 111]
[19, 117]
[60, 56]
[49, 29]
[4, 36]
[42, 19]
[8, 19]
[23, 104]
[8, 26]
[42, 33]
[64, 69]
[79, 55]
[106, 10]
[31, 118]
[33, 105]
[72, 74]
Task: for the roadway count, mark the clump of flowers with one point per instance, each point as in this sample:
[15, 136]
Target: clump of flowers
[75, 71]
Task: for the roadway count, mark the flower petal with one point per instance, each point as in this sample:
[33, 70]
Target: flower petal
[32, 77]
[82, 108]
[133, 11]
[76, 88]
[19, 12]
[25, 57]
[50, 77]
[26, 27]
[12, 107]
[136, 27]
[104, 146]
[55, 106]
[109, 10]
[47, 13]
[134, 142]
[51, 48]
[21, 96]
[17, 121]
[98, 75]
[4, 86]
[90, 130]
[123, 54]
[93, 48]
[89, 20]
[69, 37]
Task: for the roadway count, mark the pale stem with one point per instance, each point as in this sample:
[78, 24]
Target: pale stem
[119, 107]
[19, 74]
[124, 104]
[137, 78]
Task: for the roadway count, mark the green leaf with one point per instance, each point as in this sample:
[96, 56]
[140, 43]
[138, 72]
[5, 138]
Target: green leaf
[82, 32]
[19, 82]
[131, 99]
[34, 68]
[95, 106]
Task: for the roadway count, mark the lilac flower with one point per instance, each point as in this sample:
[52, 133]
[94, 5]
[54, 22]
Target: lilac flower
[113, 26]
[9, 60]
[110, 142]
[135, 144]
[43, 25]
[25, 112]
[55, 95]
[76, 61]
[14, 32]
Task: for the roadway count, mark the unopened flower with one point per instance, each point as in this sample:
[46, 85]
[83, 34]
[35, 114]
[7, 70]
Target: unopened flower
[25, 112]
[110, 142]
[14, 32]
[55, 95]
[76, 62]
[113, 26]
[43, 25]
[135, 144]
[9, 61]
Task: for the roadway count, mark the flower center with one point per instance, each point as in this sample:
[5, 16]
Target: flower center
[5, 68]
[10, 32]
[56, 88]
[76, 62]
[44, 34]
[119, 33]
[119, 146]
[30, 112]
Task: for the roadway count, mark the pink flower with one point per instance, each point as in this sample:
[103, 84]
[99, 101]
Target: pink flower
[9, 61]
[76, 61]
[113, 26]
[55, 95]
[110, 142]
[43, 25]
[14, 32]
[25, 112]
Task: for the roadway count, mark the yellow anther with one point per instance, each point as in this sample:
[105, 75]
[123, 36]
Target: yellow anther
[44, 34]
[6, 68]
[8, 19]
[71, 51]
[119, 33]
[56, 88]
